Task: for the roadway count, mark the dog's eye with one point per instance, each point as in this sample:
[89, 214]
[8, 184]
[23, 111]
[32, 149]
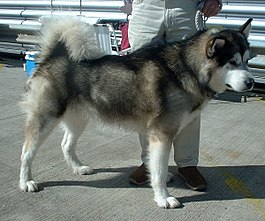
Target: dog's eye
[233, 62]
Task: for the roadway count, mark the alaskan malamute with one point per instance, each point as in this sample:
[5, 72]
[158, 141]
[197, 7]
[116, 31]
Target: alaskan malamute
[156, 91]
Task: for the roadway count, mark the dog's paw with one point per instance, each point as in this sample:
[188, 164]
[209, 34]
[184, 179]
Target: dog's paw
[29, 186]
[83, 170]
[169, 177]
[168, 202]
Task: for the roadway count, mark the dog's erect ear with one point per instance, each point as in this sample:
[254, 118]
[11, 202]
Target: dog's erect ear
[214, 45]
[245, 28]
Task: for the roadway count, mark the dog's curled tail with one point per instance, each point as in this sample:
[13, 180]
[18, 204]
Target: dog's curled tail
[78, 37]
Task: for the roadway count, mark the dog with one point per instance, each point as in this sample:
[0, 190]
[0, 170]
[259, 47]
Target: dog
[156, 91]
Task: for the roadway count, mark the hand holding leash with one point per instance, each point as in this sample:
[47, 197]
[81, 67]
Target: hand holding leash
[206, 8]
[211, 7]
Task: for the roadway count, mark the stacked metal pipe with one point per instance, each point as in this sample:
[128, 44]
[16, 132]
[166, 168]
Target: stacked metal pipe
[22, 17]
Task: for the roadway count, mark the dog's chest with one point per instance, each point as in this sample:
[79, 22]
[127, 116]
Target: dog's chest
[188, 117]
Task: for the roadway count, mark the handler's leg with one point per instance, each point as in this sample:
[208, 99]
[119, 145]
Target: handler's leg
[147, 23]
[145, 27]
[180, 19]
[140, 175]
[186, 155]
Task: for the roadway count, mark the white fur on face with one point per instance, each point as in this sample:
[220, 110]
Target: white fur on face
[233, 75]
[238, 75]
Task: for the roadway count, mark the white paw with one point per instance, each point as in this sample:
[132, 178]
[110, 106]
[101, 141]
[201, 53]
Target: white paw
[29, 186]
[83, 170]
[168, 202]
[169, 177]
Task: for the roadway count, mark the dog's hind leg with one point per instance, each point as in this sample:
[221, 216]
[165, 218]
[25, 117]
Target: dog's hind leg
[37, 129]
[159, 150]
[73, 126]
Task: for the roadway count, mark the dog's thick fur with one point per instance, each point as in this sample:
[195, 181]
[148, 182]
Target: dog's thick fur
[156, 91]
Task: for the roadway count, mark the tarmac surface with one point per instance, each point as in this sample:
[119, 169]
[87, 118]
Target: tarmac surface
[232, 160]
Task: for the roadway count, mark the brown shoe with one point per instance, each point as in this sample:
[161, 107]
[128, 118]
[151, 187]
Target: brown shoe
[192, 177]
[139, 176]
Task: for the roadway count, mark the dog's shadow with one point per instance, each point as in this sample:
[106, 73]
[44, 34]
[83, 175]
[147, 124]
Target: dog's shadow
[224, 182]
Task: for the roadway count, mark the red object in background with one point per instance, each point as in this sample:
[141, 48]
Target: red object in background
[124, 36]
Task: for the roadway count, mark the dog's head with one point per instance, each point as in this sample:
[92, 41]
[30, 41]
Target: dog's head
[229, 51]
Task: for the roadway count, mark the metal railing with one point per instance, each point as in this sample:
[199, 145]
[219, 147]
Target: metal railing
[22, 17]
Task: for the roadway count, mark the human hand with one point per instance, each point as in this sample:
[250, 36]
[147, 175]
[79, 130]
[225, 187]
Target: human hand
[127, 9]
[211, 8]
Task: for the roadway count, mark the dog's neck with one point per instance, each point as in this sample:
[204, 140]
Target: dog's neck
[193, 61]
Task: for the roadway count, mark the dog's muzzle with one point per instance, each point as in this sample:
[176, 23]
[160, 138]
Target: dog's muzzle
[240, 80]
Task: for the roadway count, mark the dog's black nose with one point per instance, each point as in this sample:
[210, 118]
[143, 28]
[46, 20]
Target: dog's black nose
[250, 83]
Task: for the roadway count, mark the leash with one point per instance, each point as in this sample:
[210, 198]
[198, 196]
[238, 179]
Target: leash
[200, 18]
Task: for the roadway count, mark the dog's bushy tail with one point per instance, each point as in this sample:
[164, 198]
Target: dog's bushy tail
[78, 37]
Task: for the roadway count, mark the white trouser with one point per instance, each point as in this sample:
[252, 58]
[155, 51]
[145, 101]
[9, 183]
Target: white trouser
[163, 21]
[186, 145]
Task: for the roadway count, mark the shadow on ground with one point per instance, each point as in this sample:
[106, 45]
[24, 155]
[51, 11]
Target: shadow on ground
[225, 182]
[11, 60]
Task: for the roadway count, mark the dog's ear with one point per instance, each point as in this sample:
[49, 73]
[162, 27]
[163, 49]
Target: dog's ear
[245, 28]
[214, 45]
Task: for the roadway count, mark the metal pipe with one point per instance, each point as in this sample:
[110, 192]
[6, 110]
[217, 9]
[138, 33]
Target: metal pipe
[10, 13]
[234, 23]
[22, 4]
[15, 48]
[242, 2]
[89, 5]
[256, 10]
[238, 10]
[24, 15]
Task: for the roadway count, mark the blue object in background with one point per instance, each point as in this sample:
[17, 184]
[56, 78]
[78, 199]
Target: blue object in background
[31, 62]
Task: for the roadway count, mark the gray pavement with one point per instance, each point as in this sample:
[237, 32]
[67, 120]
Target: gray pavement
[232, 159]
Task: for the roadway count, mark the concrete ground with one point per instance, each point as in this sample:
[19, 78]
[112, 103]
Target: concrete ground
[232, 160]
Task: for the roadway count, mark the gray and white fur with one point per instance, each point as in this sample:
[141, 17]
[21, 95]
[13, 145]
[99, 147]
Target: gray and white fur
[156, 91]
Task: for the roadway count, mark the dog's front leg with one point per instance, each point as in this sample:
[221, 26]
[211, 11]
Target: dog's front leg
[159, 150]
